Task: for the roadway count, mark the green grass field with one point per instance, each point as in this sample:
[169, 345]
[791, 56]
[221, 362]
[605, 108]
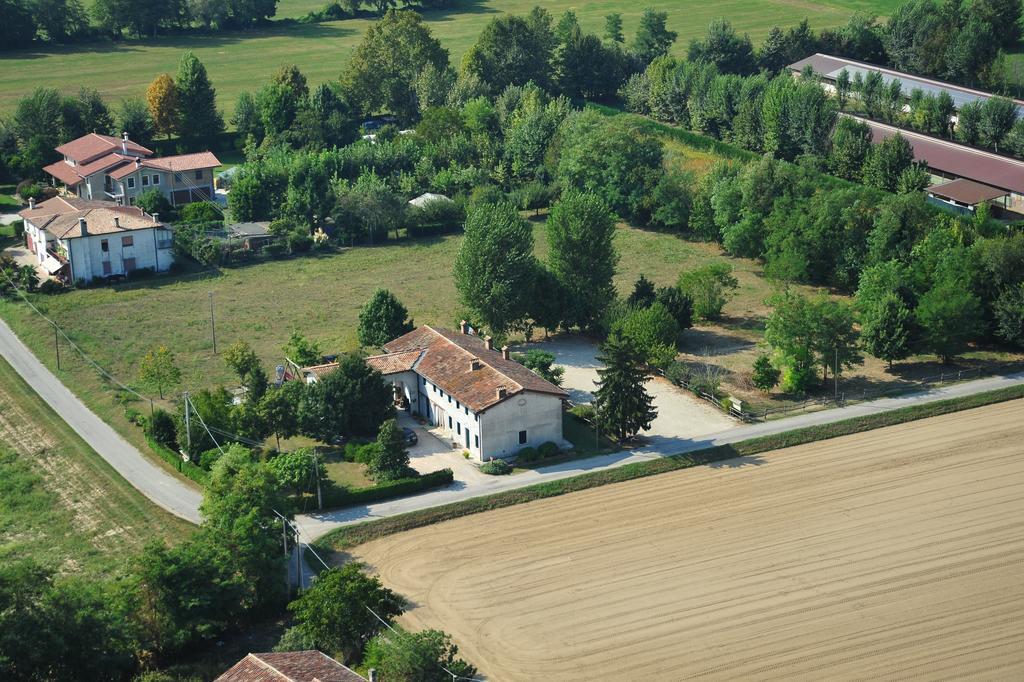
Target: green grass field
[317, 295]
[60, 503]
[245, 60]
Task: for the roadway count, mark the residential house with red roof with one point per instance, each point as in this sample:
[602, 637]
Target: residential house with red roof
[79, 240]
[104, 168]
[484, 401]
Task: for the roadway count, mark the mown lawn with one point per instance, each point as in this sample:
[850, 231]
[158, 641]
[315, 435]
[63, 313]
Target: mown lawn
[60, 503]
[244, 60]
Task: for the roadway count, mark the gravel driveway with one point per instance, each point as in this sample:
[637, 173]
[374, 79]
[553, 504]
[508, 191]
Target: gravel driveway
[680, 413]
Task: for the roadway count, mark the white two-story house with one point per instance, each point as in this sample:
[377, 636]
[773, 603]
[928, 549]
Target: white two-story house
[482, 400]
[104, 168]
[78, 240]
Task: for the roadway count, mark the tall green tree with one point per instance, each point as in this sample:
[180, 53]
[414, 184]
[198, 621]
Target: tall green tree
[582, 257]
[949, 317]
[613, 27]
[723, 47]
[158, 370]
[887, 328]
[623, 405]
[198, 117]
[351, 400]
[887, 161]
[614, 158]
[133, 118]
[381, 74]
[390, 460]
[998, 114]
[653, 38]
[337, 614]
[819, 329]
[495, 266]
[279, 410]
[383, 319]
[512, 50]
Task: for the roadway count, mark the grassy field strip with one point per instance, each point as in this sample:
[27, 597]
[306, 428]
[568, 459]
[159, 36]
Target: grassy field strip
[891, 554]
[351, 536]
[61, 503]
[245, 60]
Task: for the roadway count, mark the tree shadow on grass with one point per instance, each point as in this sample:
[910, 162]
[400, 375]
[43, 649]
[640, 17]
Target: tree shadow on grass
[185, 41]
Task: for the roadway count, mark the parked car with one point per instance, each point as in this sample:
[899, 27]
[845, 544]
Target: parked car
[410, 436]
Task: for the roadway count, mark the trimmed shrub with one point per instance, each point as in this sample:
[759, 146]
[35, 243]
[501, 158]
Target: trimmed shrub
[209, 458]
[189, 469]
[497, 467]
[527, 455]
[160, 428]
[361, 453]
[548, 449]
[334, 496]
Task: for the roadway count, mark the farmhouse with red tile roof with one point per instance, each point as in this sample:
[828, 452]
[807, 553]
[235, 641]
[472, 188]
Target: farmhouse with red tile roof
[101, 167]
[289, 666]
[78, 240]
[482, 399]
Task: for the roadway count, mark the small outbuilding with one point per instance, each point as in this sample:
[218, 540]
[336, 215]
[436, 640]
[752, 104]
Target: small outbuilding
[964, 196]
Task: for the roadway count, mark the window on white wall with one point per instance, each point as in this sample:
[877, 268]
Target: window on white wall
[156, 179]
[522, 437]
[145, 181]
[131, 183]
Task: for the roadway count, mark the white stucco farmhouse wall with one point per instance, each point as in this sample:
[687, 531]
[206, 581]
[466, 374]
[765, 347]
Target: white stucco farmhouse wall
[148, 249]
[458, 422]
[538, 414]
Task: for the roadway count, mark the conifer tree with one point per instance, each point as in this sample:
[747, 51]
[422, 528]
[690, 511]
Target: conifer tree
[624, 407]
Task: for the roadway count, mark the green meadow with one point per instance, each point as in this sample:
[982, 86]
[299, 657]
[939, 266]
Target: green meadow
[239, 61]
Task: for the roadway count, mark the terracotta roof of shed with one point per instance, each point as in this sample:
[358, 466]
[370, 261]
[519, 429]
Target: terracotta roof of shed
[289, 666]
[92, 145]
[966, 191]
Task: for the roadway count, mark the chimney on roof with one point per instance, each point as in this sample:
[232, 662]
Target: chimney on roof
[156, 217]
[488, 343]
[83, 229]
[474, 364]
[124, 142]
[373, 674]
[31, 203]
[117, 222]
[504, 352]
[137, 162]
[464, 327]
[502, 392]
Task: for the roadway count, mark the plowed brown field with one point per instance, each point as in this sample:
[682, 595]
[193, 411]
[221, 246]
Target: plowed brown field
[896, 553]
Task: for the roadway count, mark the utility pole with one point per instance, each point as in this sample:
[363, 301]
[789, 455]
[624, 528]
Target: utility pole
[56, 345]
[188, 425]
[316, 474]
[213, 325]
[835, 374]
[298, 559]
[284, 537]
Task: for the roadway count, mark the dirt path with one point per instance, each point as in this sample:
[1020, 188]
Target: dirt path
[890, 554]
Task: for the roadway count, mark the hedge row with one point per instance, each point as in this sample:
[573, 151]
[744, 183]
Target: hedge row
[349, 497]
[350, 536]
[188, 469]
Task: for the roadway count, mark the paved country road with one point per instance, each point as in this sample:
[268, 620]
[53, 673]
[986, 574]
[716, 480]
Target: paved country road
[163, 488]
[182, 499]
